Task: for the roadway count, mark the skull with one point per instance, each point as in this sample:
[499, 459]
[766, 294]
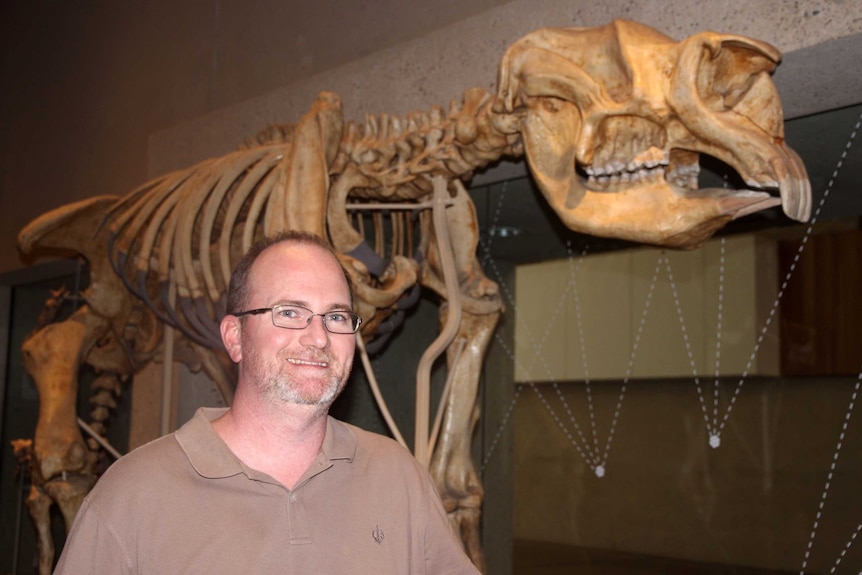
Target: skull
[614, 120]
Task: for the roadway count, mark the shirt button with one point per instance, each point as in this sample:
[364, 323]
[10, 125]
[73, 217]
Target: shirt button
[293, 498]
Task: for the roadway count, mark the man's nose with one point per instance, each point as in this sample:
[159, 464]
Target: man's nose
[315, 333]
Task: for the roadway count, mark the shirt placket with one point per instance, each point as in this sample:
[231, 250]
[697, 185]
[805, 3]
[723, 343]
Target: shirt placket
[297, 510]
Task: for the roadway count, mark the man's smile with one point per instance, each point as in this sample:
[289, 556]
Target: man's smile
[296, 361]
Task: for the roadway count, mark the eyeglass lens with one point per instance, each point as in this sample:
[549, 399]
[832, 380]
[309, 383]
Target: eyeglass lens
[297, 317]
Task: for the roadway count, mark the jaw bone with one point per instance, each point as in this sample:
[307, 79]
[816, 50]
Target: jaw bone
[632, 200]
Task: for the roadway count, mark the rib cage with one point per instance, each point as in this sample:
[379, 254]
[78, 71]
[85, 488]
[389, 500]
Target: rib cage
[164, 235]
[175, 240]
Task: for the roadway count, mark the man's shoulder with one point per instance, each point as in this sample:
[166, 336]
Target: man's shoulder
[169, 457]
[149, 464]
[371, 440]
[379, 452]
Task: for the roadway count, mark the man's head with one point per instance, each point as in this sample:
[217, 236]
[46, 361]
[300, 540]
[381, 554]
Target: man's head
[307, 366]
[237, 294]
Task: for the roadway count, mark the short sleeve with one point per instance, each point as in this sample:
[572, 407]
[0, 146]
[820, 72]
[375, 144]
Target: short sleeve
[92, 547]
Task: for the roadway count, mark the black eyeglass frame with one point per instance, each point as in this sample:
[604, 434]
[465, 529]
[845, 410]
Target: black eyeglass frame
[355, 323]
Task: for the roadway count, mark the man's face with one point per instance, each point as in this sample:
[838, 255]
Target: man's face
[302, 366]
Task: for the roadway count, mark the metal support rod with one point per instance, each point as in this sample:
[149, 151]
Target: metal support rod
[444, 397]
[168, 369]
[99, 439]
[453, 320]
[375, 390]
[404, 206]
[22, 468]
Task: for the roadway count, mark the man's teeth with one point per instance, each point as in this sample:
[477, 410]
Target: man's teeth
[306, 362]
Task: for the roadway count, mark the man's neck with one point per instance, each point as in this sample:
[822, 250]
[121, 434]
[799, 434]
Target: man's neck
[281, 441]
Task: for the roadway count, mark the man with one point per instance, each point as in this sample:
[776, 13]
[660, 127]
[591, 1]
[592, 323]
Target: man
[272, 484]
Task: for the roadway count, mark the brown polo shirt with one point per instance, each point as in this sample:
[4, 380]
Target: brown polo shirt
[185, 504]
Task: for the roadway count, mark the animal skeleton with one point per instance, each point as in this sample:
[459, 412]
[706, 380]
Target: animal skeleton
[612, 121]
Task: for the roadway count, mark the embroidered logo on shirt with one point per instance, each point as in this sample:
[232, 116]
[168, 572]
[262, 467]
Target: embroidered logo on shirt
[377, 534]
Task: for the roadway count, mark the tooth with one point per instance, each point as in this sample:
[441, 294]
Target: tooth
[383, 126]
[351, 132]
[437, 115]
[371, 125]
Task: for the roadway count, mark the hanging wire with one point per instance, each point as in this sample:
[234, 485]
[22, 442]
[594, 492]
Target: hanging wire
[537, 346]
[829, 477]
[714, 427]
[798, 255]
[853, 398]
[573, 274]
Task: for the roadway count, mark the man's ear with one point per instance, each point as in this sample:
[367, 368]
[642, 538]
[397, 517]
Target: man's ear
[231, 336]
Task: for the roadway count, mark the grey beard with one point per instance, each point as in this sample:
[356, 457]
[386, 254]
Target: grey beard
[283, 391]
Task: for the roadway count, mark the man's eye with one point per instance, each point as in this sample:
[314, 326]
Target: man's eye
[288, 313]
[338, 317]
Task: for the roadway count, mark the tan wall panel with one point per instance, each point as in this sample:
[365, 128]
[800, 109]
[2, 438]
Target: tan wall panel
[634, 309]
[540, 346]
[601, 297]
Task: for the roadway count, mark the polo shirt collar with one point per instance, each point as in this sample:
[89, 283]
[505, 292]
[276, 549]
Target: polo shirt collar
[212, 458]
[339, 443]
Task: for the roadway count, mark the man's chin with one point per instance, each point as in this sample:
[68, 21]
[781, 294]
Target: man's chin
[322, 398]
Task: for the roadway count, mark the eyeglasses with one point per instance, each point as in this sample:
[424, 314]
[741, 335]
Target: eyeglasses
[298, 317]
